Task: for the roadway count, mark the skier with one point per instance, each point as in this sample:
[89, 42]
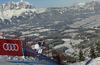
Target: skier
[38, 47]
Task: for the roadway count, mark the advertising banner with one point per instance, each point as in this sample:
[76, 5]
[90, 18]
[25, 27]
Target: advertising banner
[10, 47]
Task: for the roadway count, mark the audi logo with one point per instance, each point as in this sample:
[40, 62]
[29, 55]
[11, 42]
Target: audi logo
[10, 47]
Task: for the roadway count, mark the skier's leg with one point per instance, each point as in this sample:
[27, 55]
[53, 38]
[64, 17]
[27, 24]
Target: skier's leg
[40, 51]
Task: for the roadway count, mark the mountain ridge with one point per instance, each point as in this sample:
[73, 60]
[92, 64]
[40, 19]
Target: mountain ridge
[26, 6]
[11, 8]
[12, 5]
[20, 9]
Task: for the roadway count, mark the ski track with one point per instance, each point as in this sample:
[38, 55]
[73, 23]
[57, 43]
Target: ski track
[22, 60]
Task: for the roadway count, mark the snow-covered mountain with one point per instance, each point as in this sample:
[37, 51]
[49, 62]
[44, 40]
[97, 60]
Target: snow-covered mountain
[20, 13]
[91, 5]
[59, 24]
[10, 9]
[11, 5]
[95, 0]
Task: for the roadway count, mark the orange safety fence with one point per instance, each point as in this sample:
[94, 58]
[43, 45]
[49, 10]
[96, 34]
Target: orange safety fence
[60, 55]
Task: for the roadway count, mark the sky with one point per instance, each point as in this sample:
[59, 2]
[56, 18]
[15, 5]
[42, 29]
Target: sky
[48, 3]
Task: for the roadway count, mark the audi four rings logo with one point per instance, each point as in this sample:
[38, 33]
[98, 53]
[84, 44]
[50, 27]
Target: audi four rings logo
[10, 47]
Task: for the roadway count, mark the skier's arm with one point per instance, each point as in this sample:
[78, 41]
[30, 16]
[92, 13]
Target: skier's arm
[43, 43]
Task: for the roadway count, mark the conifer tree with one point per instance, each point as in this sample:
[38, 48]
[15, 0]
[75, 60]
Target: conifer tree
[92, 52]
[81, 57]
[98, 49]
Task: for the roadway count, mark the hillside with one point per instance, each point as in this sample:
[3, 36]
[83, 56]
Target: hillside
[66, 29]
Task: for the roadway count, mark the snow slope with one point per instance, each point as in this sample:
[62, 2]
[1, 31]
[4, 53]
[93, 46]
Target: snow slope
[29, 58]
[89, 62]
[21, 60]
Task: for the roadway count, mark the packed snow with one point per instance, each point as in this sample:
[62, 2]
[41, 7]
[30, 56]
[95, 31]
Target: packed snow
[22, 60]
[89, 62]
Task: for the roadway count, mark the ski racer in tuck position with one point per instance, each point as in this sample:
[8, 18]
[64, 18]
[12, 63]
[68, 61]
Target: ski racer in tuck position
[38, 46]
